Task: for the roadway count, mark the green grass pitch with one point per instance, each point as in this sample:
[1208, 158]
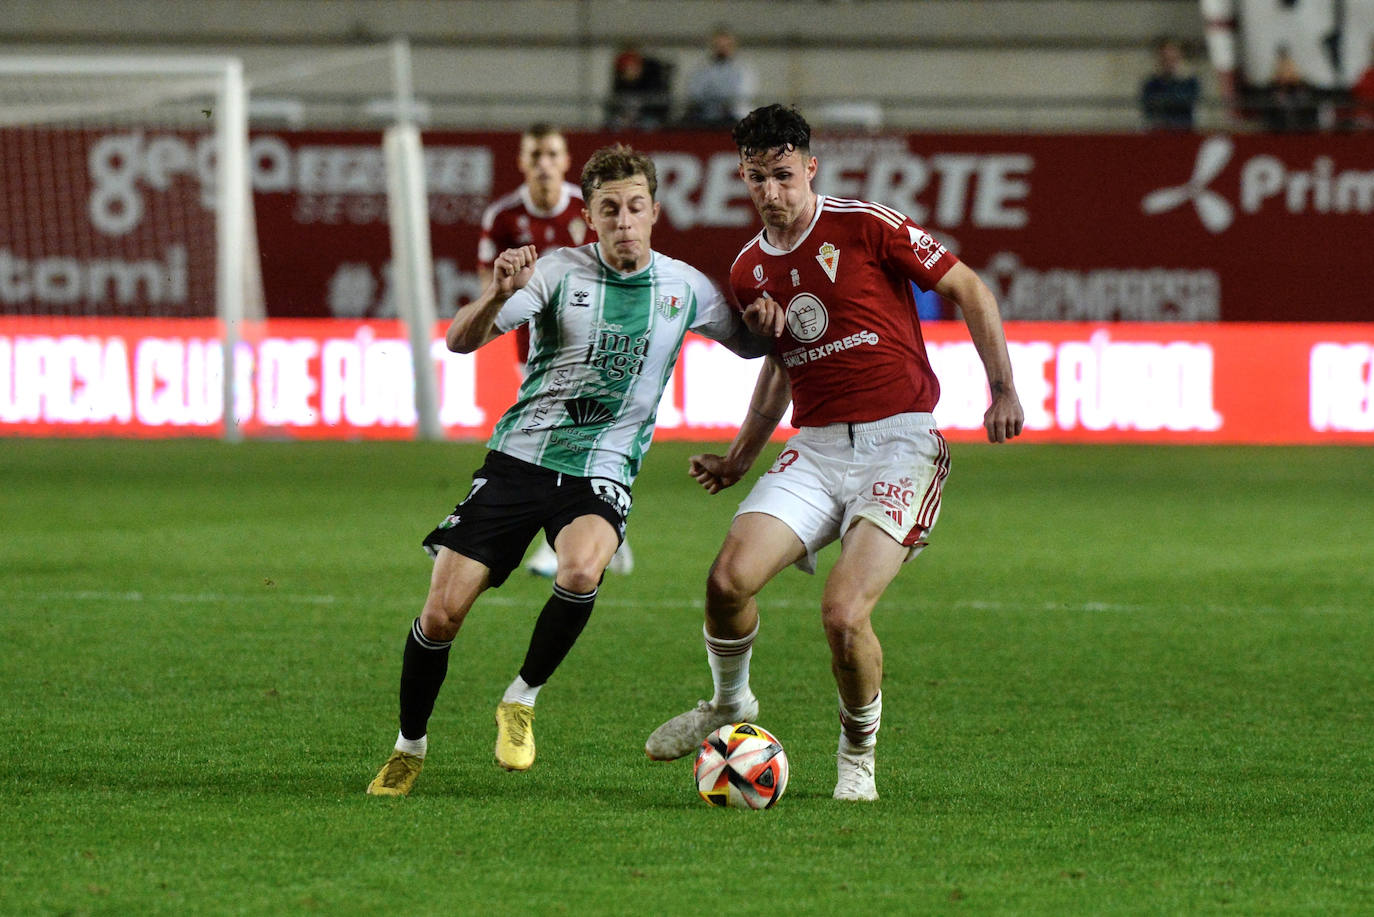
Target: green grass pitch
[1121, 680]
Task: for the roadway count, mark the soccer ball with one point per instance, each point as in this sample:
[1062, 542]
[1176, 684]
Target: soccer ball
[741, 766]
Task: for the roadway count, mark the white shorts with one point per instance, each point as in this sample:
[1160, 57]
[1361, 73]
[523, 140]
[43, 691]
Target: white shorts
[890, 472]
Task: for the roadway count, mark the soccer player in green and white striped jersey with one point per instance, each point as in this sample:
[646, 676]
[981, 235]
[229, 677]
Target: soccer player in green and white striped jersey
[608, 321]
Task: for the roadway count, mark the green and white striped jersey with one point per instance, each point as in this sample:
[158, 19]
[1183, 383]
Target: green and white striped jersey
[602, 348]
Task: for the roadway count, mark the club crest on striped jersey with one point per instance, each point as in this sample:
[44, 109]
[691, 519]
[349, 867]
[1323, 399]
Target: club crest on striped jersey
[668, 305]
[829, 258]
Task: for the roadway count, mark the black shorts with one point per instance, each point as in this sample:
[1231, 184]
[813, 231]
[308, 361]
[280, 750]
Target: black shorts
[511, 500]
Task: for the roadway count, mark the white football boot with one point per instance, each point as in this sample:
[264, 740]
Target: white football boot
[623, 561]
[854, 765]
[544, 562]
[684, 733]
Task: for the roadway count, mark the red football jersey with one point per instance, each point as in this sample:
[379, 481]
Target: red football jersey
[852, 346]
[512, 220]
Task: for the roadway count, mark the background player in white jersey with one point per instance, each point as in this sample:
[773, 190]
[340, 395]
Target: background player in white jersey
[546, 211]
[608, 323]
[867, 465]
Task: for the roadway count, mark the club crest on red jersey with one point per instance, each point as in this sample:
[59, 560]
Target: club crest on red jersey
[829, 258]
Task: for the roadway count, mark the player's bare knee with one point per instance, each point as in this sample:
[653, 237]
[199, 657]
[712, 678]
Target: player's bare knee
[439, 622]
[726, 590]
[579, 576]
[580, 582]
[845, 626]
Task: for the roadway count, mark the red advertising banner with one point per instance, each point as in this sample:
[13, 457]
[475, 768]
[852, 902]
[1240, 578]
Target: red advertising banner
[116, 221]
[1149, 227]
[312, 379]
[1072, 228]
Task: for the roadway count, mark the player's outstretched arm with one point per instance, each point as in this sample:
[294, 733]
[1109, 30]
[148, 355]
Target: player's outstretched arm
[475, 323]
[1004, 417]
[772, 393]
[751, 334]
[762, 322]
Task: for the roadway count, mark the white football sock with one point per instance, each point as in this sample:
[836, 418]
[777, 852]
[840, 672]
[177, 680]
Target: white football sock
[859, 725]
[412, 746]
[729, 661]
[520, 693]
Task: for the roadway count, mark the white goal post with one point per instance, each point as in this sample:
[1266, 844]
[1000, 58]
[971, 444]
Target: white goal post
[412, 263]
[47, 105]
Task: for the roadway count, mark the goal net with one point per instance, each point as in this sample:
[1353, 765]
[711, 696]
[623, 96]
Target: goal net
[124, 185]
[125, 192]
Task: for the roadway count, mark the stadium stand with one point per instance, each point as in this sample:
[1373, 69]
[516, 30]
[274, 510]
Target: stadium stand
[1019, 65]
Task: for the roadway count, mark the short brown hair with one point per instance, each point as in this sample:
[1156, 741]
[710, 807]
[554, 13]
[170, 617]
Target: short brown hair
[541, 129]
[613, 163]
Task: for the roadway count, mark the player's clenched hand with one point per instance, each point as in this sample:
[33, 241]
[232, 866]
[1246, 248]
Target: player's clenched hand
[765, 317]
[1004, 418]
[512, 269]
[712, 472]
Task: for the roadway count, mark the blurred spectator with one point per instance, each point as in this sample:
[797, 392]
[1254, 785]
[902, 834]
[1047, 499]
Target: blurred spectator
[641, 92]
[1362, 95]
[1168, 96]
[721, 91]
[1289, 102]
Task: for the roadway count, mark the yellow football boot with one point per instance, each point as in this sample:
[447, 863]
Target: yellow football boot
[397, 775]
[514, 736]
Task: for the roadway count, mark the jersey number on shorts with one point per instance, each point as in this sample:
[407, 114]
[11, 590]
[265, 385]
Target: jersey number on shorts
[476, 486]
[787, 457]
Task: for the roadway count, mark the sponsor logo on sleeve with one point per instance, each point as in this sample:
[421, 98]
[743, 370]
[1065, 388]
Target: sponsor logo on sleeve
[927, 249]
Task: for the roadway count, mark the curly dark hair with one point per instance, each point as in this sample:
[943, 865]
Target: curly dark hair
[612, 163]
[773, 127]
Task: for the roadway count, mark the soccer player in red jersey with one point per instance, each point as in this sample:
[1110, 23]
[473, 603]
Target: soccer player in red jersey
[546, 212]
[867, 465]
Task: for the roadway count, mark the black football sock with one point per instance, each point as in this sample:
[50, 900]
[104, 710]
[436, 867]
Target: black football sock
[558, 627]
[423, 668]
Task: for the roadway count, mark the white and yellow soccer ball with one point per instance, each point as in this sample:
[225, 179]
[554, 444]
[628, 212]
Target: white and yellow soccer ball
[741, 766]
